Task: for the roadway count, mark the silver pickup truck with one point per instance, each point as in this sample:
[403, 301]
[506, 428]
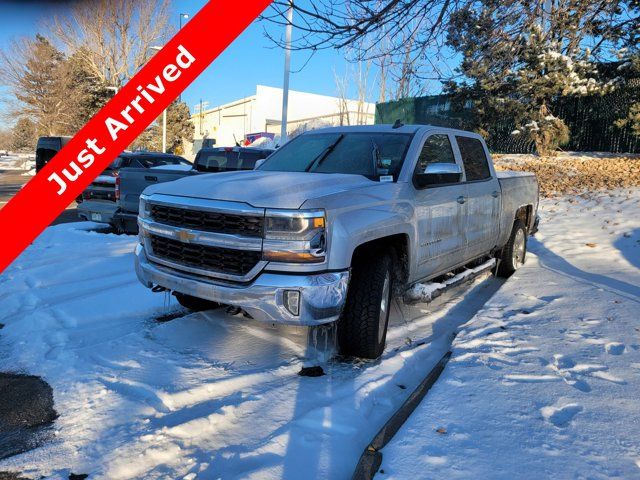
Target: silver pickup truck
[333, 224]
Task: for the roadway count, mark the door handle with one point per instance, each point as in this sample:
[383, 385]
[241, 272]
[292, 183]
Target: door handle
[495, 194]
[461, 199]
[149, 178]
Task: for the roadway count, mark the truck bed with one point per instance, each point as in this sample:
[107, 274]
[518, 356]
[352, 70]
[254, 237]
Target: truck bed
[518, 190]
[133, 181]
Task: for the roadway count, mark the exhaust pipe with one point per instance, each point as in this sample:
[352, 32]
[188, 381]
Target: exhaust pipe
[158, 289]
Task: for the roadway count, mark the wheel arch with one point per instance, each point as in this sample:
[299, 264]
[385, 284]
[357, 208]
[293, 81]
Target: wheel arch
[398, 246]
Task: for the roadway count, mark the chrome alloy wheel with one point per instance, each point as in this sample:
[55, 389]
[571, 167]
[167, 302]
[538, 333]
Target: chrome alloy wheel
[384, 305]
[518, 249]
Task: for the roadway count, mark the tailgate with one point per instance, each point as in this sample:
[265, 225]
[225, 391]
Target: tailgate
[133, 181]
[102, 188]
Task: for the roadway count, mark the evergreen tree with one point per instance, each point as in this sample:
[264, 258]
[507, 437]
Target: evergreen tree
[518, 56]
[23, 136]
[86, 93]
[179, 128]
[40, 87]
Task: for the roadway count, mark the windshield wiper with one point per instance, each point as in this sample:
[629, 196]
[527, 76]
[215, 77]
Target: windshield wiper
[324, 154]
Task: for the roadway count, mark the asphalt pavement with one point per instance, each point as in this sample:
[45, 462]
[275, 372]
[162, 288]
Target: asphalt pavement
[11, 181]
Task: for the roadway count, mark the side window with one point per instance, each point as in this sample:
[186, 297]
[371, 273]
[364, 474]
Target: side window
[437, 149]
[476, 165]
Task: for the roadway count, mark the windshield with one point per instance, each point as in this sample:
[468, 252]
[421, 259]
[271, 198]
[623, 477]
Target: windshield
[373, 155]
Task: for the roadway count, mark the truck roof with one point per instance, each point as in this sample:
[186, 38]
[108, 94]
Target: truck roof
[235, 149]
[384, 128]
[145, 153]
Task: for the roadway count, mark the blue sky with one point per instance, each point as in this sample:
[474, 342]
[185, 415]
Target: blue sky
[249, 61]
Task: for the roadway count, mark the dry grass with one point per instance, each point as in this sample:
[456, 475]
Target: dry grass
[576, 173]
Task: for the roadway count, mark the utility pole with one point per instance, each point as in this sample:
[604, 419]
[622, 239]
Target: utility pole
[164, 115]
[287, 71]
[182, 16]
[164, 131]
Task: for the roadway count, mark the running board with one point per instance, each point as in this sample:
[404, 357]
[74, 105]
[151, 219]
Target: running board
[426, 292]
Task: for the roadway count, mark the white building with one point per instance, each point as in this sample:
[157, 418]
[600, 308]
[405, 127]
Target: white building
[262, 112]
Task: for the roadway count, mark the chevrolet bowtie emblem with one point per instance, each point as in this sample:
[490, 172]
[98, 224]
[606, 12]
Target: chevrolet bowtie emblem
[185, 236]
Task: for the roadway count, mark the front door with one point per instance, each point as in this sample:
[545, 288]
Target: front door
[440, 213]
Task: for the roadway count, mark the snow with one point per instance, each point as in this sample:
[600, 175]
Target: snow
[207, 394]
[425, 292]
[544, 380]
[17, 162]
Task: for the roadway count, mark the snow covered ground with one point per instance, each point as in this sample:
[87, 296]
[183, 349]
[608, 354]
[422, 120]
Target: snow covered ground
[206, 394]
[18, 162]
[544, 382]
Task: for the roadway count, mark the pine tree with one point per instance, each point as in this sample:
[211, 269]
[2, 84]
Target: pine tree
[23, 136]
[179, 128]
[518, 56]
[40, 87]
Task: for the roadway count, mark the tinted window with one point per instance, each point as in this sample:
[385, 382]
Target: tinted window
[249, 159]
[476, 165]
[148, 162]
[217, 161]
[370, 154]
[437, 149]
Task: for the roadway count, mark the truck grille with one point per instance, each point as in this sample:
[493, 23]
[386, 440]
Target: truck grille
[214, 259]
[250, 226]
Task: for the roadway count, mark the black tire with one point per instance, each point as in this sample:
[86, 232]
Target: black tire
[514, 253]
[194, 303]
[362, 328]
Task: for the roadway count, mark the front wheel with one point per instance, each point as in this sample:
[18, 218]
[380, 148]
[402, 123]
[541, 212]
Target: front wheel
[514, 252]
[195, 303]
[362, 328]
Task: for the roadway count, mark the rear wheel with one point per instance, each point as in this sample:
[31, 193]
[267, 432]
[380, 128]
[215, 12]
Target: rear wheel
[362, 328]
[514, 252]
[195, 303]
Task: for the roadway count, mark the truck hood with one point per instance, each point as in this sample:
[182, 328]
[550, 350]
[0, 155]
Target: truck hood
[262, 189]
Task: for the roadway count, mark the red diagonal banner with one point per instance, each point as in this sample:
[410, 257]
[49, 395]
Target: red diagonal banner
[121, 120]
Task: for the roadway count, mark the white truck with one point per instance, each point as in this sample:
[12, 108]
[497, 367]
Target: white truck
[333, 224]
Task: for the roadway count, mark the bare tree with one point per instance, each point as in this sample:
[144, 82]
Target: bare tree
[113, 37]
[342, 87]
[407, 38]
[356, 77]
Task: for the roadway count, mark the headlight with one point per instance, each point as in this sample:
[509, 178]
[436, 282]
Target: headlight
[143, 212]
[295, 236]
[143, 208]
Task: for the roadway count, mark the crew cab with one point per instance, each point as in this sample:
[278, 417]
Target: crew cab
[132, 181]
[333, 224]
[99, 198]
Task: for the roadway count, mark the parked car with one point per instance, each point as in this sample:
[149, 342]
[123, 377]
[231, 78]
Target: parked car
[99, 199]
[333, 223]
[132, 181]
[47, 148]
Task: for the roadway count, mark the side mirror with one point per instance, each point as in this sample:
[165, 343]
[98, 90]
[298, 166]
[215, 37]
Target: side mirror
[439, 174]
[259, 163]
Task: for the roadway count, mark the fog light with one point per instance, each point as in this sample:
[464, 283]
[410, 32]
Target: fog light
[292, 301]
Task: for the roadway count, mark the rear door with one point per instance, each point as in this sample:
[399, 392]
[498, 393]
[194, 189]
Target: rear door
[482, 197]
[440, 212]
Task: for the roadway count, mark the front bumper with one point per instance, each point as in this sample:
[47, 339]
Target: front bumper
[322, 296]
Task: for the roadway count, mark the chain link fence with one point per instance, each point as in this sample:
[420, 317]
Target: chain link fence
[591, 120]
